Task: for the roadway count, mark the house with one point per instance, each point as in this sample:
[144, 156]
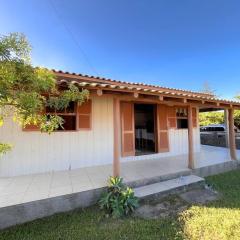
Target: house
[146, 134]
[121, 122]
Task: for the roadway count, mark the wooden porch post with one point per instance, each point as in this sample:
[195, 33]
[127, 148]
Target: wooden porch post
[116, 129]
[190, 138]
[226, 120]
[232, 141]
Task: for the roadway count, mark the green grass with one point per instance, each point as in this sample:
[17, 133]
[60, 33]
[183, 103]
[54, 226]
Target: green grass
[220, 219]
[216, 221]
[91, 224]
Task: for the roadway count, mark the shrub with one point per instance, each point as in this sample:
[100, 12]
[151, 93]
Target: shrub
[118, 200]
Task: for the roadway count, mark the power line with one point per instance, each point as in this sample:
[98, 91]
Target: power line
[68, 30]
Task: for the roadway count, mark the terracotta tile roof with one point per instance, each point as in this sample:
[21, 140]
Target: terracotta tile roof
[100, 82]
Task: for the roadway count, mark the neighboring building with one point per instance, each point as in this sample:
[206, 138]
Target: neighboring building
[121, 122]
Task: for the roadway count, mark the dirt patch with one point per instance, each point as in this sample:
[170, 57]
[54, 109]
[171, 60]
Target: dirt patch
[163, 208]
[175, 204]
[200, 196]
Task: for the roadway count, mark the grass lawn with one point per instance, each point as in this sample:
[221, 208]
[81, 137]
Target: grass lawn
[217, 220]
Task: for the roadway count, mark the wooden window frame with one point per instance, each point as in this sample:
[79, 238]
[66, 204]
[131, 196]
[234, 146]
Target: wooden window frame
[84, 114]
[181, 118]
[30, 128]
[75, 113]
[65, 113]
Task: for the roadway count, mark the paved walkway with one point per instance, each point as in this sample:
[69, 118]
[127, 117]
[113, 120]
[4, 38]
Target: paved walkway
[16, 190]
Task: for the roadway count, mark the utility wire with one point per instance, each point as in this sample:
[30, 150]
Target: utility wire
[68, 30]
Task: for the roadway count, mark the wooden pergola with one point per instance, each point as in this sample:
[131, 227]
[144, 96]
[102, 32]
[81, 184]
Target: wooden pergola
[124, 91]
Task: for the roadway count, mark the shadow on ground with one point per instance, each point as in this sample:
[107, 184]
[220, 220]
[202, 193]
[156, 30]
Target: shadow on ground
[175, 204]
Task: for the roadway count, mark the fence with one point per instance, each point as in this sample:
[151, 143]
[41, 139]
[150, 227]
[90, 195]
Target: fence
[217, 139]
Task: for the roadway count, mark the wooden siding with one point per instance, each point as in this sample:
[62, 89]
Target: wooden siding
[35, 152]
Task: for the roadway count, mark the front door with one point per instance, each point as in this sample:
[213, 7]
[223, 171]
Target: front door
[144, 128]
[144, 119]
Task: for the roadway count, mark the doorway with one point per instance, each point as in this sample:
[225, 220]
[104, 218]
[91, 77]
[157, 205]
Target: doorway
[145, 140]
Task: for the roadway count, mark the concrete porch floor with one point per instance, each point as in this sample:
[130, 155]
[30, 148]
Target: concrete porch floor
[23, 189]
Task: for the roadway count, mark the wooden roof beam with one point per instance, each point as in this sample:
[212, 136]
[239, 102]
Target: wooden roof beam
[163, 96]
[99, 92]
[135, 94]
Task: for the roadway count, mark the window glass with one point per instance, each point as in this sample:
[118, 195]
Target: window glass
[182, 123]
[69, 123]
[69, 116]
[181, 114]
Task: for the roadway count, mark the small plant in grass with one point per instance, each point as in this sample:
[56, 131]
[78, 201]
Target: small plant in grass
[118, 200]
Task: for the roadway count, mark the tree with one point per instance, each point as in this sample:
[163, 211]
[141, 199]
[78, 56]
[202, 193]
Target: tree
[207, 89]
[25, 91]
[217, 117]
[207, 118]
[237, 114]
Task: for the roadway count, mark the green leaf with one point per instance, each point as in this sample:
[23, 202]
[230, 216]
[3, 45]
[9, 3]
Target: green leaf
[119, 200]
[1, 121]
[4, 148]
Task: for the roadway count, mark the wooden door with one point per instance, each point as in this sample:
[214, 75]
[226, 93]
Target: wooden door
[162, 128]
[127, 128]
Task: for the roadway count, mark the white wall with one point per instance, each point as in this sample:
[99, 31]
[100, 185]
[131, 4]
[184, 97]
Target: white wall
[35, 152]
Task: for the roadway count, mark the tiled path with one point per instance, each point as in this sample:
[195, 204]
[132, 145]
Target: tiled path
[28, 188]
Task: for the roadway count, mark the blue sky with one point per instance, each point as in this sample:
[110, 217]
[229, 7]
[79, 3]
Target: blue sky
[175, 43]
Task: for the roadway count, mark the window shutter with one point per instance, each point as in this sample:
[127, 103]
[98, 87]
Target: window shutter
[162, 127]
[84, 113]
[172, 120]
[31, 127]
[127, 127]
[194, 117]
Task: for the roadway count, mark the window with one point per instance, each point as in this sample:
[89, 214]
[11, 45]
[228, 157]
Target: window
[182, 118]
[69, 116]
[76, 117]
[182, 123]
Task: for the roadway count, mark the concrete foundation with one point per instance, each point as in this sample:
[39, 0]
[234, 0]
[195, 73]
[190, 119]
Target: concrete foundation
[26, 212]
[211, 161]
[216, 168]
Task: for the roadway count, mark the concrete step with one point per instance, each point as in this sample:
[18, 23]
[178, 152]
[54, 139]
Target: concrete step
[157, 179]
[164, 188]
